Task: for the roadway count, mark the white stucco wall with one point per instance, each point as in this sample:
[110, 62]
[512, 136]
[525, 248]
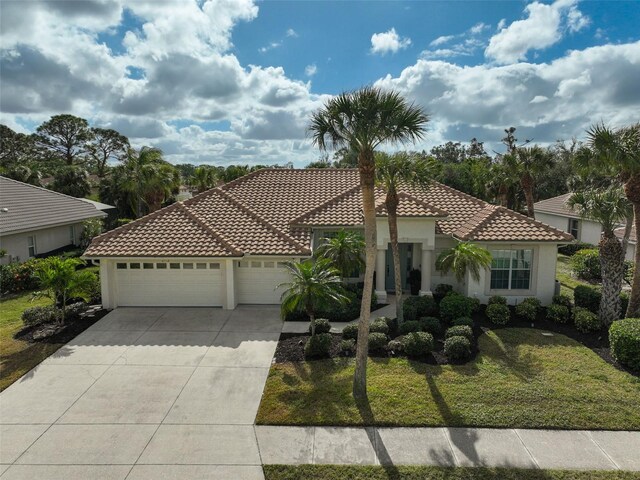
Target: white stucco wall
[410, 230]
[588, 231]
[47, 239]
[630, 253]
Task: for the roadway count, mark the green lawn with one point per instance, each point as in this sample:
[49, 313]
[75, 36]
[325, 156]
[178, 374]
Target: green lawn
[18, 357]
[520, 379]
[564, 276]
[343, 472]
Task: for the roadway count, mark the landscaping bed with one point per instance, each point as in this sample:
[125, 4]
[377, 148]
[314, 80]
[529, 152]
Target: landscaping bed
[61, 334]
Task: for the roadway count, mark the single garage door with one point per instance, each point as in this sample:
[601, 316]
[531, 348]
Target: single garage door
[256, 281]
[172, 284]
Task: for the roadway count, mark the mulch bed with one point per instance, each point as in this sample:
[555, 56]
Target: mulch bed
[67, 332]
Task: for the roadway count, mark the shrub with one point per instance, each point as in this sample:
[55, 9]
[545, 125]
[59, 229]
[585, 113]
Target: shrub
[417, 344]
[318, 346]
[586, 321]
[585, 264]
[475, 304]
[379, 326]
[347, 347]
[572, 248]
[431, 325]
[587, 297]
[377, 341]
[558, 313]
[463, 321]
[409, 311]
[457, 348]
[394, 346]
[18, 277]
[322, 325]
[442, 290]
[427, 306]
[392, 323]
[497, 299]
[564, 300]
[528, 308]
[455, 306]
[460, 331]
[624, 303]
[74, 310]
[408, 327]
[624, 338]
[350, 332]
[38, 315]
[498, 314]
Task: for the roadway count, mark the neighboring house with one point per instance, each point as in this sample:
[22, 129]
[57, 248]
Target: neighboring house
[557, 213]
[34, 220]
[631, 248]
[227, 246]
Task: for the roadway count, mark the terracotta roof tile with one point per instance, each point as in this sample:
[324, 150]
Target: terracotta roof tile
[409, 206]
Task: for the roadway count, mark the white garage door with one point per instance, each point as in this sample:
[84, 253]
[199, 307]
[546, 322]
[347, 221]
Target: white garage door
[179, 284]
[256, 281]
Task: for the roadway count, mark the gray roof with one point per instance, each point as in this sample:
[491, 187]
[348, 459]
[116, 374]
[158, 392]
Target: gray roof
[98, 205]
[24, 207]
[556, 205]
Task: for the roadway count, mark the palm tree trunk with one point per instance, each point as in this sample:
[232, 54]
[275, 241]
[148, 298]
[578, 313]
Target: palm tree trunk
[367, 179]
[611, 263]
[527, 186]
[632, 190]
[392, 207]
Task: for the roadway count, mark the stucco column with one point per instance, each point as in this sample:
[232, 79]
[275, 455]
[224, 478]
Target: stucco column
[230, 284]
[381, 260]
[425, 269]
[107, 283]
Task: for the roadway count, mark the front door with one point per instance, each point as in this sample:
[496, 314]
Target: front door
[406, 251]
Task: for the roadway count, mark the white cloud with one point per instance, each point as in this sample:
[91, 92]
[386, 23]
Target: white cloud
[467, 43]
[539, 99]
[479, 28]
[441, 40]
[291, 33]
[501, 24]
[311, 70]
[543, 27]
[388, 42]
[271, 46]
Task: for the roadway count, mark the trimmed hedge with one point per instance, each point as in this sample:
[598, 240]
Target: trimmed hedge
[347, 347]
[457, 348]
[318, 346]
[442, 290]
[322, 325]
[431, 325]
[394, 346]
[408, 327]
[572, 248]
[460, 331]
[39, 315]
[564, 300]
[455, 306]
[528, 308]
[624, 338]
[558, 313]
[377, 341]
[417, 344]
[587, 297]
[585, 320]
[497, 299]
[379, 326]
[498, 313]
[463, 321]
[585, 264]
[350, 332]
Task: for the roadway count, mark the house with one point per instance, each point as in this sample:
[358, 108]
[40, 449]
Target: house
[557, 213]
[34, 220]
[631, 247]
[227, 246]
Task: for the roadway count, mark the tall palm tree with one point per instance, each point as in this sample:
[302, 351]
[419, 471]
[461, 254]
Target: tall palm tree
[393, 171]
[313, 284]
[361, 121]
[344, 250]
[528, 163]
[462, 258]
[204, 178]
[607, 207]
[617, 152]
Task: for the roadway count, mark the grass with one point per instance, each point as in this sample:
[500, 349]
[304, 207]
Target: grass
[348, 472]
[520, 379]
[564, 275]
[16, 356]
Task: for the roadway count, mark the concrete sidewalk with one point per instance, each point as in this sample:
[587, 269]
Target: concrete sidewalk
[450, 447]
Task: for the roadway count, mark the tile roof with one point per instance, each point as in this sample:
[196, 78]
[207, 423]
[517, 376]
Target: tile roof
[556, 205]
[619, 232]
[270, 212]
[31, 208]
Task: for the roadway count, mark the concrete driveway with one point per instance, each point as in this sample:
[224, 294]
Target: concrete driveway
[145, 393]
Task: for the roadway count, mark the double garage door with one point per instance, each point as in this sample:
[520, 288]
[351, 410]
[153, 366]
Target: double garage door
[172, 284]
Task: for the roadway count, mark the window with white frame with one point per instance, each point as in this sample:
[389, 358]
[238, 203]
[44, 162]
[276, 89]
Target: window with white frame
[574, 225]
[511, 269]
[72, 234]
[31, 245]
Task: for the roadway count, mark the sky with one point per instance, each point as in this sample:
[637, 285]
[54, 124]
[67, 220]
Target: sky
[235, 81]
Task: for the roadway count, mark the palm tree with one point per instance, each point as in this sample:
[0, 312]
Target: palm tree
[462, 258]
[528, 163]
[60, 280]
[393, 171]
[344, 250]
[607, 207]
[361, 121]
[204, 178]
[313, 284]
[617, 152]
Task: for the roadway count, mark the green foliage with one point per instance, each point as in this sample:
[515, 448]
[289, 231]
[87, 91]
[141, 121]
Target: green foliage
[498, 314]
[624, 303]
[572, 248]
[321, 325]
[463, 321]
[587, 297]
[462, 258]
[377, 341]
[39, 315]
[379, 326]
[73, 181]
[497, 299]
[558, 313]
[90, 228]
[394, 346]
[586, 321]
[457, 348]
[442, 290]
[424, 306]
[409, 311]
[409, 326]
[528, 308]
[624, 338]
[318, 346]
[431, 325]
[585, 264]
[345, 250]
[350, 332]
[417, 344]
[459, 331]
[454, 306]
[347, 346]
[18, 277]
[392, 324]
[563, 300]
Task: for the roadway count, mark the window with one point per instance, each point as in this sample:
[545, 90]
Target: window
[121, 266]
[161, 266]
[31, 244]
[147, 266]
[256, 264]
[187, 266]
[174, 266]
[574, 224]
[134, 266]
[282, 265]
[268, 264]
[201, 266]
[72, 234]
[511, 269]
[214, 266]
[243, 264]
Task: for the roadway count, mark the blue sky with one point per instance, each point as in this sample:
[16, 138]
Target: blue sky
[228, 81]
